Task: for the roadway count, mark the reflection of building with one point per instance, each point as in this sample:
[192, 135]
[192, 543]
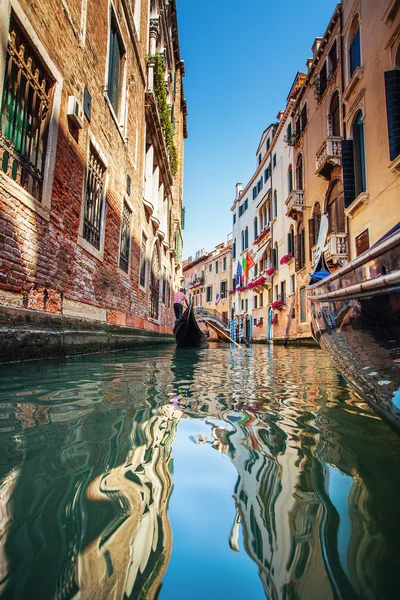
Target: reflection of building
[131, 555]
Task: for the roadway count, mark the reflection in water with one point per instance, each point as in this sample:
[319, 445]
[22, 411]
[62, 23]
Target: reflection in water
[86, 469]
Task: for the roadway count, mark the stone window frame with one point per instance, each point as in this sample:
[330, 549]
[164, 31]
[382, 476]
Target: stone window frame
[328, 113]
[121, 120]
[355, 12]
[81, 241]
[125, 200]
[42, 207]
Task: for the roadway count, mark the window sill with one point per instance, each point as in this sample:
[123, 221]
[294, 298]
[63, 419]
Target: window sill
[357, 76]
[155, 321]
[23, 196]
[362, 198]
[395, 164]
[142, 289]
[120, 127]
[99, 254]
[124, 274]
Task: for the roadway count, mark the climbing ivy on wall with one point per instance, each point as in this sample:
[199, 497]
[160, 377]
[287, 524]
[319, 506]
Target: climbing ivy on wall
[164, 110]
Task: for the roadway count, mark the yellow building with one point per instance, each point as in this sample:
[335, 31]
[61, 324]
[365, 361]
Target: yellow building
[218, 279]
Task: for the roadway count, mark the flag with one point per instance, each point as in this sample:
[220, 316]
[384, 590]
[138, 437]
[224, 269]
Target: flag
[244, 264]
[249, 264]
[238, 274]
[217, 299]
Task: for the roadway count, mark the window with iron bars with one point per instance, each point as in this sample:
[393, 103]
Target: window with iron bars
[142, 276]
[125, 245]
[94, 200]
[25, 114]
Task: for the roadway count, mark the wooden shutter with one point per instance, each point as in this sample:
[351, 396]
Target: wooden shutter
[297, 252]
[349, 182]
[362, 242]
[392, 86]
[311, 236]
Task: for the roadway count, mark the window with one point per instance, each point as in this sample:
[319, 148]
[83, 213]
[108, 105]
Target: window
[289, 131]
[359, 154]
[164, 286]
[246, 238]
[216, 267]
[154, 297]
[275, 204]
[255, 228]
[261, 299]
[332, 59]
[210, 268]
[323, 80]
[300, 250]
[125, 242]
[143, 262]
[233, 250]
[209, 294]
[292, 284]
[274, 161]
[115, 66]
[246, 204]
[290, 179]
[303, 117]
[299, 173]
[242, 304]
[283, 292]
[275, 256]
[291, 241]
[255, 301]
[259, 158]
[224, 263]
[334, 115]
[242, 241]
[240, 210]
[234, 218]
[246, 305]
[392, 87]
[259, 185]
[355, 50]
[268, 143]
[255, 192]
[362, 242]
[303, 313]
[223, 289]
[25, 114]
[94, 199]
[335, 208]
[313, 226]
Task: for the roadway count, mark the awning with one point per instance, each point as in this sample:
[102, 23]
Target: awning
[258, 255]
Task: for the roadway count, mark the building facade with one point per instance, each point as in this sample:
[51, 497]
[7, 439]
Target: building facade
[218, 279]
[91, 141]
[193, 277]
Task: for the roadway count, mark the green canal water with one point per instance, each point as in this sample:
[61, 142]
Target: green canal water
[204, 474]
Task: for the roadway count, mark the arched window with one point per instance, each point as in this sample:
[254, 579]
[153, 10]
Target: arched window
[246, 238]
[334, 115]
[255, 228]
[291, 241]
[290, 179]
[354, 46]
[300, 246]
[313, 226]
[275, 204]
[335, 208]
[154, 285]
[299, 173]
[359, 153]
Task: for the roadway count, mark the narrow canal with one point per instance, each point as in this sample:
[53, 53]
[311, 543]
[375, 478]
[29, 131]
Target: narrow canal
[204, 474]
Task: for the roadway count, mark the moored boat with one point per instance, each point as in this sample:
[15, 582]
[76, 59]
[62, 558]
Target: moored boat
[355, 317]
[187, 332]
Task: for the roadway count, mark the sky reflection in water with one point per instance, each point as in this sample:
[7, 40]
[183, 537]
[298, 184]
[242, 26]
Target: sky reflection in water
[194, 474]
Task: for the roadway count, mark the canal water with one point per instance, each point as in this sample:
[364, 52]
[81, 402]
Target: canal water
[204, 474]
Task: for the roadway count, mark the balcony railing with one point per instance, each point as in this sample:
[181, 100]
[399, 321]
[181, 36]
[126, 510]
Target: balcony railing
[336, 248]
[328, 156]
[295, 203]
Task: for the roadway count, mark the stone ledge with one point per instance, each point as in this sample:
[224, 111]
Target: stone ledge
[27, 334]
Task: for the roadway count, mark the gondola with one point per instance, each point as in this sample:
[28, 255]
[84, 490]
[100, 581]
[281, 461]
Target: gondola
[355, 317]
[187, 332]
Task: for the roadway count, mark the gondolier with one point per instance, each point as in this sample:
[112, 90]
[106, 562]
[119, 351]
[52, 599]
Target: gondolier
[179, 298]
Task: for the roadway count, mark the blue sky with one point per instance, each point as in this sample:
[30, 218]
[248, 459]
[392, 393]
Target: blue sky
[241, 59]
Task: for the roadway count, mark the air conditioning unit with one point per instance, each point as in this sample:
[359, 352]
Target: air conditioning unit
[75, 112]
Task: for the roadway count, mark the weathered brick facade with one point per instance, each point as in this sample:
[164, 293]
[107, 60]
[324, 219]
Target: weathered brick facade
[46, 264]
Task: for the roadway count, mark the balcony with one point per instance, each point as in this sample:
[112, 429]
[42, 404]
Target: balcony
[328, 157]
[295, 203]
[336, 248]
[335, 251]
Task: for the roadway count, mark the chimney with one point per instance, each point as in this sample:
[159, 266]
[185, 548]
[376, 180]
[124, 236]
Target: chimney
[238, 190]
[315, 46]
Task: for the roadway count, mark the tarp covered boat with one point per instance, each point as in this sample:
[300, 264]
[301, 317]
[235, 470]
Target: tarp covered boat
[187, 332]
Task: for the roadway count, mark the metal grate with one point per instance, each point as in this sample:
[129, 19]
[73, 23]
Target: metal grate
[125, 246]
[25, 114]
[94, 199]
[142, 279]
